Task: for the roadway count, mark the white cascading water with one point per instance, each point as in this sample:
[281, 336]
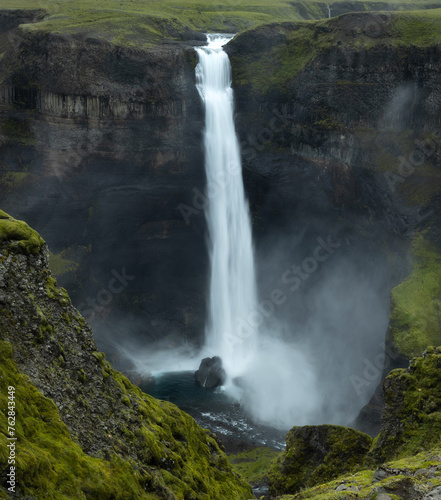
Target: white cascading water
[232, 282]
[278, 386]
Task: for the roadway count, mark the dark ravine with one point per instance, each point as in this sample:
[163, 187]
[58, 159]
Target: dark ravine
[109, 138]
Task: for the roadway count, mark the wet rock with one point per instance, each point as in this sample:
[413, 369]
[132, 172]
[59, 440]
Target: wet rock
[316, 454]
[211, 373]
[434, 494]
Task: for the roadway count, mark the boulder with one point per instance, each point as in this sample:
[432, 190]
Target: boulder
[211, 373]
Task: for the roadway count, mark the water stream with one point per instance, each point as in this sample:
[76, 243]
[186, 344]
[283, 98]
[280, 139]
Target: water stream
[232, 295]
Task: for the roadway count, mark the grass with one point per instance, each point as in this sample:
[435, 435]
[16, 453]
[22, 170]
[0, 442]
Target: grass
[253, 464]
[143, 23]
[416, 303]
[274, 67]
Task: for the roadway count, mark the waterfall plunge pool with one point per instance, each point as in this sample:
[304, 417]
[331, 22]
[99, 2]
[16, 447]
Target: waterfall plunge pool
[214, 409]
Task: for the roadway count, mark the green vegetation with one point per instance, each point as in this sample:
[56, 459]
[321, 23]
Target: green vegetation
[416, 303]
[16, 130]
[410, 473]
[273, 67]
[143, 23]
[13, 180]
[22, 238]
[60, 265]
[408, 448]
[316, 454]
[412, 417]
[47, 459]
[253, 464]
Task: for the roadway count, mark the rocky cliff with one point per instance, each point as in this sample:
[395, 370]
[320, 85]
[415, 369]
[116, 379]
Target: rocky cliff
[83, 430]
[339, 120]
[109, 138]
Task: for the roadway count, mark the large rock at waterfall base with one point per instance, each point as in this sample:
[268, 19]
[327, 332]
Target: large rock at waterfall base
[211, 373]
[316, 454]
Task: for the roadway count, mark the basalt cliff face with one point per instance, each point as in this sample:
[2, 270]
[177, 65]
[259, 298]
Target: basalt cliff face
[83, 430]
[338, 122]
[109, 139]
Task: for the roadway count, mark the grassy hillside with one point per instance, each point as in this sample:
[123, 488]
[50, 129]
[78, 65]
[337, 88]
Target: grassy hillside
[294, 45]
[144, 22]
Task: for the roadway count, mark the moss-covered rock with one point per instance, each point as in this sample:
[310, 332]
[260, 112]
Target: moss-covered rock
[416, 303]
[408, 478]
[19, 236]
[84, 430]
[411, 419]
[316, 454]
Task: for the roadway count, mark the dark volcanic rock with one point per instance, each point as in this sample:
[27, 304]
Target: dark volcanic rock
[114, 146]
[316, 454]
[211, 373]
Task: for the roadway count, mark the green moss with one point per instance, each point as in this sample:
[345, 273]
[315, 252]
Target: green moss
[55, 292]
[16, 130]
[253, 464]
[416, 303]
[274, 66]
[60, 265]
[412, 417]
[13, 180]
[19, 236]
[316, 454]
[47, 459]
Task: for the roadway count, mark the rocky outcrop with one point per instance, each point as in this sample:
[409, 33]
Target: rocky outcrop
[404, 461]
[317, 454]
[412, 405]
[83, 428]
[211, 373]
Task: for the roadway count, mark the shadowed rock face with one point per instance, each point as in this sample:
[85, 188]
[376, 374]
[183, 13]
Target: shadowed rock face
[110, 139]
[211, 373]
[316, 454]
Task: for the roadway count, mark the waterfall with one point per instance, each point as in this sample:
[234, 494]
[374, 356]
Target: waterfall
[232, 296]
[329, 10]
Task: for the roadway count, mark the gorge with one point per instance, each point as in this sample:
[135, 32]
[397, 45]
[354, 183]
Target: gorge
[102, 152]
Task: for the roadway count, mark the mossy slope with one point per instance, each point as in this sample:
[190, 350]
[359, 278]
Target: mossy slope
[316, 454]
[416, 303]
[411, 419]
[284, 49]
[404, 461]
[103, 438]
[145, 23]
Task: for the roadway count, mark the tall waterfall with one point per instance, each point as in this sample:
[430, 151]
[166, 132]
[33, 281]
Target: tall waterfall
[232, 298]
